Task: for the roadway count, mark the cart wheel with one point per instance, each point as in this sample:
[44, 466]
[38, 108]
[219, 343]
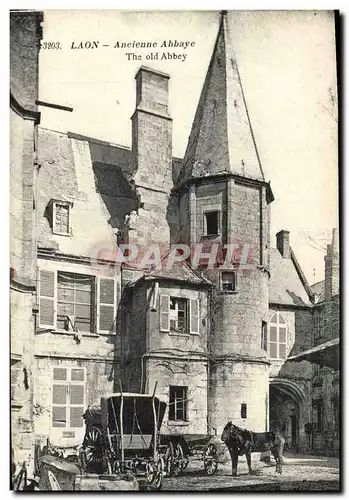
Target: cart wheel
[159, 474]
[93, 448]
[180, 458]
[171, 465]
[150, 472]
[116, 467]
[210, 459]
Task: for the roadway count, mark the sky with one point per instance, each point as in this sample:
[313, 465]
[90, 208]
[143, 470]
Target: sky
[287, 65]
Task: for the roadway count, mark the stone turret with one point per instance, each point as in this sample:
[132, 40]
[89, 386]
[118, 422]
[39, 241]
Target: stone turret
[224, 200]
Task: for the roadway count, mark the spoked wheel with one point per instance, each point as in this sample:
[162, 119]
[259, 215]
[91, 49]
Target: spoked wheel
[180, 458]
[93, 447]
[210, 459]
[116, 467]
[171, 465]
[150, 472]
[159, 475]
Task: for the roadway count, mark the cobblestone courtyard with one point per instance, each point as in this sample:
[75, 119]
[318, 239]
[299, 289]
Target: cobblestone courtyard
[300, 473]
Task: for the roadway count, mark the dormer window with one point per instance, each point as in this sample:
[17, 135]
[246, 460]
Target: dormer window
[60, 214]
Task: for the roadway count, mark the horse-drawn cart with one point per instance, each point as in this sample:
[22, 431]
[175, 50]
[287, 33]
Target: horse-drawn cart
[123, 435]
[181, 449]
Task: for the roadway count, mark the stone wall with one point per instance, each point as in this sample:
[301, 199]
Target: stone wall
[25, 34]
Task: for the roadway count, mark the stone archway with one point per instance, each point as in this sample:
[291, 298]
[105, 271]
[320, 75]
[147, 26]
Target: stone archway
[285, 401]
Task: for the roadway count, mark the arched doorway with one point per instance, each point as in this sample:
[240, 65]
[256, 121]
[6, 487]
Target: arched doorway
[285, 398]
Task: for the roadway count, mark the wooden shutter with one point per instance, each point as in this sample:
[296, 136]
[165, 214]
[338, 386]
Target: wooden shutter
[106, 305]
[76, 397]
[47, 293]
[194, 316]
[164, 313]
[68, 397]
[60, 397]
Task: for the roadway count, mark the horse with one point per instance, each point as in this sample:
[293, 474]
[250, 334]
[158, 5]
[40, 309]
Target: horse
[243, 442]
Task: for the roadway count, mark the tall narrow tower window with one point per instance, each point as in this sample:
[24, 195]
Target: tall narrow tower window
[264, 343]
[243, 410]
[211, 221]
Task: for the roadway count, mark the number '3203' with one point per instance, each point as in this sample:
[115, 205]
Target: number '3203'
[50, 45]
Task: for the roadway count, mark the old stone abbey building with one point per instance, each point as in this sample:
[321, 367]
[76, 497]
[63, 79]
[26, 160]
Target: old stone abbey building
[215, 340]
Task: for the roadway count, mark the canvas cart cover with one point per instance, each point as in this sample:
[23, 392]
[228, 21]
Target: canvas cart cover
[137, 413]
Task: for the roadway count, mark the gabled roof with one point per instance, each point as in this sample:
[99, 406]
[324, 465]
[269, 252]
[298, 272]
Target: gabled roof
[287, 284]
[179, 271]
[221, 139]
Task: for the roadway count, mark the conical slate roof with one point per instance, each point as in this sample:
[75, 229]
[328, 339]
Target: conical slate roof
[221, 139]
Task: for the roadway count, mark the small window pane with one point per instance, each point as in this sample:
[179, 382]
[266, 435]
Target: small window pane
[59, 416]
[282, 351]
[281, 319]
[78, 374]
[59, 374]
[83, 311]
[273, 350]
[282, 334]
[76, 419]
[77, 394]
[273, 319]
[65, 294]
[59, 395]
[83, 296]
[273, 333]
[65, 309]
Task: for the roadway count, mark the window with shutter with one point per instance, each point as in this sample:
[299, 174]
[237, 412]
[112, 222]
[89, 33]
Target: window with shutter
[164, 313]
[75, 301]
[106, 313]
[178, 315]
[68, 397]
[47, 294]
[194, 316]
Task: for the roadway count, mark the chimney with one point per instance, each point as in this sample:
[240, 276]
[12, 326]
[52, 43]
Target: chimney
[152, 131]
[283, 243]
[332, 267]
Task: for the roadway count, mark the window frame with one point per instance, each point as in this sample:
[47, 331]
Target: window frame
[264, 336]
[172, 412]
[186, 315]
[96, 303]
[68, 405]
[277, 325]
[92, 303]
[211, 211]
[66, 204]
[228, 271]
